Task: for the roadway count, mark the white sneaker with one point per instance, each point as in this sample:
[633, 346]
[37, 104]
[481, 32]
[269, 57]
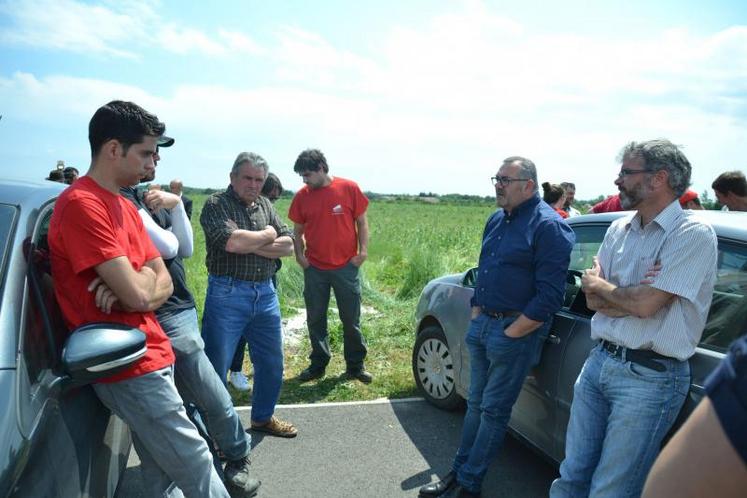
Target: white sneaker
[238, 380]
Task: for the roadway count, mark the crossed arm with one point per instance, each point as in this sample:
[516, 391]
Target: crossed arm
[265, 243]
[119, 286]
[640, 300]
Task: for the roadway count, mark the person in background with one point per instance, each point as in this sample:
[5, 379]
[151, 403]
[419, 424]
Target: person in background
[689, 200]
[331, 244]
[56, 175]
[610, 205]
[527, 244]
[244, 236]
[554, 195]
[70, 174]
[168, 226]
[176, 187]
[731, 190]
[272, 189]
[651, 286]
[570, 197]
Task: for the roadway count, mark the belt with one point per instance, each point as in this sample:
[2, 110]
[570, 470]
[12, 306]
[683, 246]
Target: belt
[500, 315]
[645, 357]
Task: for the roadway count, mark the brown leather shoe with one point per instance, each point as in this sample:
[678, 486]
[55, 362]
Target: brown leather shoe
[276, 427]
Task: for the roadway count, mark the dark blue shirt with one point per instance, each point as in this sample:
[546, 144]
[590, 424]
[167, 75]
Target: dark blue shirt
[524, 260]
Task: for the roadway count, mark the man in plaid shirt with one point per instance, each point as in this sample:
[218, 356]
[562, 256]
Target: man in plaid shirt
[244, 236]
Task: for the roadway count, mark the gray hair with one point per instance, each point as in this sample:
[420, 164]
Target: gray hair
[527, 169]
[255, 160]
[661, 154]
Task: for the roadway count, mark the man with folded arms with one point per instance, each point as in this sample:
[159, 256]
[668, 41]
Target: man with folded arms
[106, 269]
[651, 285]
[525, 246]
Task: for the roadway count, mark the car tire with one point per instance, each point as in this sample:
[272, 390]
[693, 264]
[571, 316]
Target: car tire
[433, 369]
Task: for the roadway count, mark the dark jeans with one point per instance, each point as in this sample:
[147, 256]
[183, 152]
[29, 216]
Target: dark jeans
[346, 285]
[498, 366]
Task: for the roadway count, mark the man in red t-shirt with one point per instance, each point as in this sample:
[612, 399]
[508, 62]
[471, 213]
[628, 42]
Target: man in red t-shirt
[331, 244]
[106, 269]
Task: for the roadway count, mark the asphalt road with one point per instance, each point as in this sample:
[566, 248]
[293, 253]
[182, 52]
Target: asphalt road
[372, 449]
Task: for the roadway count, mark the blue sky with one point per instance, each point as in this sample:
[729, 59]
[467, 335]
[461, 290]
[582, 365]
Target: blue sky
[402, 97]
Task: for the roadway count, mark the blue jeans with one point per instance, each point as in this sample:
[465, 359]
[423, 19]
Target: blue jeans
[198, 383]
[498, 366]
[620, 413]
[236, 308]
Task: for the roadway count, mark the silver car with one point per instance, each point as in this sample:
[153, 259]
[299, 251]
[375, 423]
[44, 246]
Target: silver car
[56, 438]
[440, 360]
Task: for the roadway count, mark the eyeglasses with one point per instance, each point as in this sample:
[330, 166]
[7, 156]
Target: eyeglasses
[506, 180]
[627, 172]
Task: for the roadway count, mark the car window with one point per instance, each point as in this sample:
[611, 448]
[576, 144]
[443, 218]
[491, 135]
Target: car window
[7, 219]
[588, 240]
[43, 331]
[727, 318]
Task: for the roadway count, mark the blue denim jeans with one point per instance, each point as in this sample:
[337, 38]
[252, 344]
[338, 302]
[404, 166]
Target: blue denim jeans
[620, 413]
[498, 366]
[236, 308]
[198, 383]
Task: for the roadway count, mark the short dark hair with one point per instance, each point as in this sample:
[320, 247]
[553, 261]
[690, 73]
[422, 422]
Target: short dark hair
[125, 122]
[272, 182]
[552, 192]
[56, 176]
[731, 181]
[311, 160]
[568, 185]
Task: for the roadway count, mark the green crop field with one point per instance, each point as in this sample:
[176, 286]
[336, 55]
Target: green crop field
[411, 243]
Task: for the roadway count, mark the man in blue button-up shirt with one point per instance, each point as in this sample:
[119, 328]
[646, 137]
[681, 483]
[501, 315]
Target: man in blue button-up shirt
[526, 249]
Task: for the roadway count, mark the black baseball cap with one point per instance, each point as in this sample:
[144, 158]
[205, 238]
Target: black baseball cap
[164, 141]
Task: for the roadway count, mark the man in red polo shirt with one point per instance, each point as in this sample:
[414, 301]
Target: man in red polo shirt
[329, 214]
[107, 269]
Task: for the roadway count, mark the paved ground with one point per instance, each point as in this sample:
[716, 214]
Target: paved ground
[372, 449]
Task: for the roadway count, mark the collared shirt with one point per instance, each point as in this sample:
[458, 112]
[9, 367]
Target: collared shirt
[524, 260]
[686, 248]
[223, 206]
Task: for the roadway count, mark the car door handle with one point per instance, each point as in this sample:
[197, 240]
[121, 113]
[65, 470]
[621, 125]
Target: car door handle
[553, 339]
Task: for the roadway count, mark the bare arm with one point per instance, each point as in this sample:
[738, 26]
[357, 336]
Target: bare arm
[698, 461]
[642, 301]
[118, 282]
[298, 245]
[361, 224]
[279, 248]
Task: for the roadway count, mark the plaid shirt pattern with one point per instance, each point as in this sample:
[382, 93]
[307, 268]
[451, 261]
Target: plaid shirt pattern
[223, 206]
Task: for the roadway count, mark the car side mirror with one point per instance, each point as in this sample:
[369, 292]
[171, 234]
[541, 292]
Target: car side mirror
[470, 278]
[98, 350]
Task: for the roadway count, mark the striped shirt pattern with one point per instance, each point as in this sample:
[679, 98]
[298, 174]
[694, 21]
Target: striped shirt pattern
[223, 206]
[686, 248]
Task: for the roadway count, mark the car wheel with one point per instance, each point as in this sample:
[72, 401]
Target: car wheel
[433, 368]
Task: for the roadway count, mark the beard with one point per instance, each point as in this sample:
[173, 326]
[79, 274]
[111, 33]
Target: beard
[630, 198]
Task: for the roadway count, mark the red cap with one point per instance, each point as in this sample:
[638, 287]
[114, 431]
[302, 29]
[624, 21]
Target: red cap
[688, 196]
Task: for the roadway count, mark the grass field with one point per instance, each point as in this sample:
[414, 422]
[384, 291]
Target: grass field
[411, 243]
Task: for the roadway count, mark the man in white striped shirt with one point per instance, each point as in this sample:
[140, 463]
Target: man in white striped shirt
[651, 286]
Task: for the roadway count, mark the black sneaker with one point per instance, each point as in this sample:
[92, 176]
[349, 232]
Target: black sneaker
[311, 374]
[238, 482]
[360, 374]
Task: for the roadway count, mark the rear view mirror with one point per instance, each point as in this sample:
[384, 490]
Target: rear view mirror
[98, 350]
[470, 278]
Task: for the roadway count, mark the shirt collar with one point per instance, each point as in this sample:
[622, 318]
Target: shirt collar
[666, 219]
[527, 205]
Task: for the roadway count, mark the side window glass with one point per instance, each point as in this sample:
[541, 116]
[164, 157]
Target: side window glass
[727, 318]
[42, 337]
[588, 240]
